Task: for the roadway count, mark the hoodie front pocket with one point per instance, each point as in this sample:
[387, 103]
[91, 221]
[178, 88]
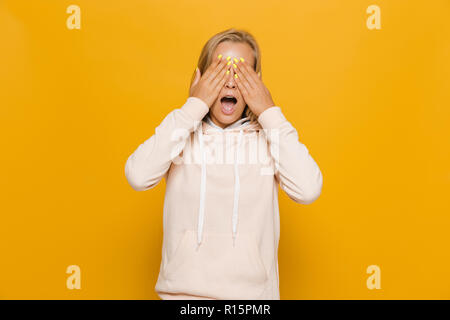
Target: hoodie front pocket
[217, 269]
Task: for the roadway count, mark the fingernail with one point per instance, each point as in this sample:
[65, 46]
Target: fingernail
[242, 59]
[228, 58]
[236, 60]
[234, 65]
[229, 62]
[259, 73]
[235, 75]
[228, 72]
[219, 56]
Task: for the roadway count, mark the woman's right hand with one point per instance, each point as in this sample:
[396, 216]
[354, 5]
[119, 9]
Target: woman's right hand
[208, 85]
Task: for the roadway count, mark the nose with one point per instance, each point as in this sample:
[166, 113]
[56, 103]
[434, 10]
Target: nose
[230, 83]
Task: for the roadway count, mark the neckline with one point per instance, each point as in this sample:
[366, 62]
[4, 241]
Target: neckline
[236, 124]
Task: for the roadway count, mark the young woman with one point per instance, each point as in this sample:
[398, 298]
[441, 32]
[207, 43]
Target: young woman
[223, 154]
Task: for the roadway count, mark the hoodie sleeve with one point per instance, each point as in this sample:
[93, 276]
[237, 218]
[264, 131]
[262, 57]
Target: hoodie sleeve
[295, 169]
[150, 162]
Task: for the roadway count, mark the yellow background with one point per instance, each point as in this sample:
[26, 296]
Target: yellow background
[372, 106]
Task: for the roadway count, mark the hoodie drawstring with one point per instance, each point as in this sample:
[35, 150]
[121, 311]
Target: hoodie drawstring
[201, 212]
[237, 187]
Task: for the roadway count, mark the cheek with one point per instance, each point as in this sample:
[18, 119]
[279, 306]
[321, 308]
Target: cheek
[215, 109]
[242, 104]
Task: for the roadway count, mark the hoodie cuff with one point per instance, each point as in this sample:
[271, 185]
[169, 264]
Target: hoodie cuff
[271, 118]
[196, 108]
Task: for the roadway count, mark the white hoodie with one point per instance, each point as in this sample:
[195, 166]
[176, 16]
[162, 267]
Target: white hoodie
[221, 221]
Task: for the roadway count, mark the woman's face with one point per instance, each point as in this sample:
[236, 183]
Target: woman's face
[226, 111]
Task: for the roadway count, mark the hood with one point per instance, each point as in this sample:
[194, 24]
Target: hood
[208, 127]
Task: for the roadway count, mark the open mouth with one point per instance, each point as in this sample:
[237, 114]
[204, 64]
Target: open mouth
[228, 104]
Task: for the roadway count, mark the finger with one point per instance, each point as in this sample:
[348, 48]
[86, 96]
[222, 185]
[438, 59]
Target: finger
[215, 64]
[197, 77]
[219, 68]
[250, 71]
[243, 88]
[195, 80]
[242, 79]
[249, 74]
[221, 82]
[212, 65]
[220, 76]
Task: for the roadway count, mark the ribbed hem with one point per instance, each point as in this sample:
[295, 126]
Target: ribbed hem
[271, 118]
[196, 108]
[168, 296]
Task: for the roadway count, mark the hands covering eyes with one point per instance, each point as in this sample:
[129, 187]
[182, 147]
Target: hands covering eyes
[255, 93]
[208, 86]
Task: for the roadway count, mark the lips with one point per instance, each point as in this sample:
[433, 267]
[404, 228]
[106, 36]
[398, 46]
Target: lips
[228, 103]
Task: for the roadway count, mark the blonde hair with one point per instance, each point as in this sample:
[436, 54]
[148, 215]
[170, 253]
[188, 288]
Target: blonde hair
[233, 35]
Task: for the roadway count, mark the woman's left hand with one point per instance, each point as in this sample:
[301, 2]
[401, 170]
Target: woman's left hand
[255, 93]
